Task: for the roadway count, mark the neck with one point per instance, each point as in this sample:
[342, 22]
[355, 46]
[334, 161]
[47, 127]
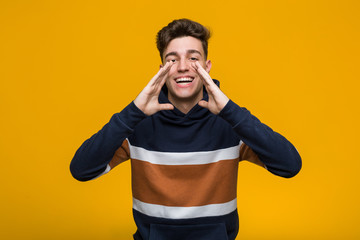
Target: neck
[185, 105]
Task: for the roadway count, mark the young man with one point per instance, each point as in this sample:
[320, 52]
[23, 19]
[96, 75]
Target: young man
[185, 139]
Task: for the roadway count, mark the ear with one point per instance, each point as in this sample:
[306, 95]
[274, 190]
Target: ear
[208, 65]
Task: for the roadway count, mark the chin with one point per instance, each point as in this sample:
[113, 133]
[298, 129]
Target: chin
[185, 94]
[187, 97]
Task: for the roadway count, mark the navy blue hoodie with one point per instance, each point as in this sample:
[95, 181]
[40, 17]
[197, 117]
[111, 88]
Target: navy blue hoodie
[184, 166]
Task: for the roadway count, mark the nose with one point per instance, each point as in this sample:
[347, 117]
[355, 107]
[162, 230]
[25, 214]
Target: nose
[183, 66]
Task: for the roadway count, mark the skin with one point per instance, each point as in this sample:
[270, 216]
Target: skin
[183, 57]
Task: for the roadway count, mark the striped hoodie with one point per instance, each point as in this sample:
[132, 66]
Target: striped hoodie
[184, 166]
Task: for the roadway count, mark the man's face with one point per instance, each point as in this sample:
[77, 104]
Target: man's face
[183, 82]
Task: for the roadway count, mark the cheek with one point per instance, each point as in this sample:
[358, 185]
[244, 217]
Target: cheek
[172, 70]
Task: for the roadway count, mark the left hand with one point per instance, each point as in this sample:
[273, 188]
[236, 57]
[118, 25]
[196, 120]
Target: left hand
[217, 99]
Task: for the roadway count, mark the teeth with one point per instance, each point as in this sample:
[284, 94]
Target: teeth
[184, 80]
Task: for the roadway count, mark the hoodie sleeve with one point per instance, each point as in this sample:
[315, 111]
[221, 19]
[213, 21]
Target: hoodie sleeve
[275, 151]
[93, 157]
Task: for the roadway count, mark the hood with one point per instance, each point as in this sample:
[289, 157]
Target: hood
[196, 112]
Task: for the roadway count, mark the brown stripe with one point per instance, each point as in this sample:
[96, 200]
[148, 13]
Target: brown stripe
[185, 185]
[122, 154]
[246, 153]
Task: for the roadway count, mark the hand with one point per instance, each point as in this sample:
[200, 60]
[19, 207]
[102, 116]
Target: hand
[147, 101]
[217, 99]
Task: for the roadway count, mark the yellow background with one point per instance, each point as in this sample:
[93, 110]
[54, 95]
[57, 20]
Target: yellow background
[67, 66]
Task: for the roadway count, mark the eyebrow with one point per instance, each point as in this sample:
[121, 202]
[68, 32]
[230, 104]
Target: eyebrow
[188, 51]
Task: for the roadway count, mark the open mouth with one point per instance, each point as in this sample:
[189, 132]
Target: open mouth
[184, 80]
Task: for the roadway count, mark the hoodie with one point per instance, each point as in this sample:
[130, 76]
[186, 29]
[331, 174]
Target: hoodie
[184, 166]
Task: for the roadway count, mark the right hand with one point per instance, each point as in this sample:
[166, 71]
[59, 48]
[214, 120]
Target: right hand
[148, 99]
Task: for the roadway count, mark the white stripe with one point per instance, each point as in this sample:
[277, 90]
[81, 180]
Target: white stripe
[184, 158]
[161, 211]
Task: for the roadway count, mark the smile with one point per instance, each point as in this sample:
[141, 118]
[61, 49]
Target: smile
[184, 80]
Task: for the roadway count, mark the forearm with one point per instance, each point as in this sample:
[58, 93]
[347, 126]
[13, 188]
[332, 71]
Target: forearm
[275, 151]
[93, 156]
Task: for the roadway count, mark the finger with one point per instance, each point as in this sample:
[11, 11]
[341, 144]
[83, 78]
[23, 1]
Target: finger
[203, 104]
[166, 67]
[203, 73]
[160, 79]
[166, 106]
[164, 76]
[162, 71]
